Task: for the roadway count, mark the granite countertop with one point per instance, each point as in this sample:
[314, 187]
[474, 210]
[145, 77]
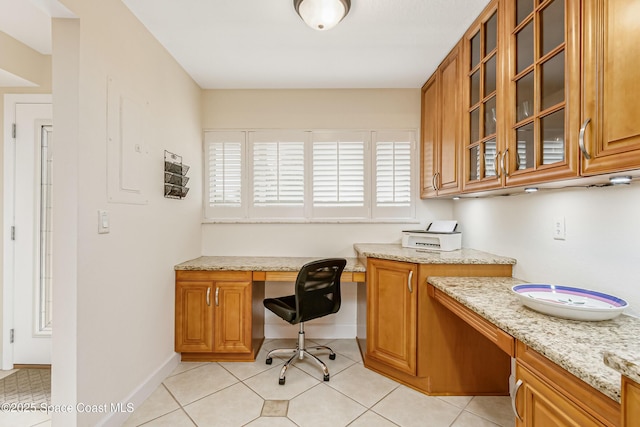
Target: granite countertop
[396, 252]
[628, 364]
[253, 263]
[595, 352]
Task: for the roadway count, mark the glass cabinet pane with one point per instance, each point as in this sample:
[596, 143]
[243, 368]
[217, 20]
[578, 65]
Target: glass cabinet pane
[474, 119]
[490, 76]
[490, 117]
[475, 88]
[552, 27]
[552, 130]
[524, 46]
[552, 72]
[474, 163]
[523, 9]
[524, 97]
[540, 83]
[491, 34]
[525, 158]
[475, 50]
[490, 159]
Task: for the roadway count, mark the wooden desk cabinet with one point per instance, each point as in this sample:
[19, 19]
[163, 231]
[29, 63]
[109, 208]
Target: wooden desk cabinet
[547, 395]
[216, 314]
[418, 342]
[630, 402]
[392, 303]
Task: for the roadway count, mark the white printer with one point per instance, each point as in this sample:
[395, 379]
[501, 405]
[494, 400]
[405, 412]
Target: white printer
[439, 236]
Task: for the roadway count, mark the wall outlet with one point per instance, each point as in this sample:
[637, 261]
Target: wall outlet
[559, 230]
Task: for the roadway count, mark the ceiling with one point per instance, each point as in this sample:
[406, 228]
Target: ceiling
[249, 44]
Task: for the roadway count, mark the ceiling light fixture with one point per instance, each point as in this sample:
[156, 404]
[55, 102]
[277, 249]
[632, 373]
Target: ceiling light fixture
[624, 179]
[531, 189]
[322, 15]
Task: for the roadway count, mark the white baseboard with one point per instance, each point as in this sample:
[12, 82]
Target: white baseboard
[327, 331]
[141, 393]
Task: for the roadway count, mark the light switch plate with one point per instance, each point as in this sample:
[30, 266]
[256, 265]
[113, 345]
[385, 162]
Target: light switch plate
[103, 222]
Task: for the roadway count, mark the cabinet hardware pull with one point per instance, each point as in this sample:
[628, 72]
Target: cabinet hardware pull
[583, 128]
[502, 162]
[434, 182]
[409, 282]
[513, 400]
[209, 297]
[217, 292]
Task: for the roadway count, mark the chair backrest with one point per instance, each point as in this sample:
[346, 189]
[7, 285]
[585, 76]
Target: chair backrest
[318, 289]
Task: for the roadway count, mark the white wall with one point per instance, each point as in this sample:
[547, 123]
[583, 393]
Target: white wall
[312, 109]
[601, 250]
[114, 293]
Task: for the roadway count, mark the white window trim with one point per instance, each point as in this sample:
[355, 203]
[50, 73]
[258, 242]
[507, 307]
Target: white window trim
[310, 214]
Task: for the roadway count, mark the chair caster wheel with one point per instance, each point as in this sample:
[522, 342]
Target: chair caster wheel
[281, 381]
[332, 356]
[326, 377]
[268, 361]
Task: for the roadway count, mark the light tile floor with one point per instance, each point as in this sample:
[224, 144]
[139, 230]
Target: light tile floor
[248, 394]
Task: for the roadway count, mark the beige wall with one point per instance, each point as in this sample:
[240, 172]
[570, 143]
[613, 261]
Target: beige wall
[311, 109]
[114, 293]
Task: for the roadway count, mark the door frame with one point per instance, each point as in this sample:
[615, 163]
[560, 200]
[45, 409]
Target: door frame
[8, 258]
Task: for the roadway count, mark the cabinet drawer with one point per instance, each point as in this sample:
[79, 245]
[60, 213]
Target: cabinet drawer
[197, 275]
[580, 393]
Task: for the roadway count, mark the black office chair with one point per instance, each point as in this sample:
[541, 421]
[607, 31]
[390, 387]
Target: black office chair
[317, 294]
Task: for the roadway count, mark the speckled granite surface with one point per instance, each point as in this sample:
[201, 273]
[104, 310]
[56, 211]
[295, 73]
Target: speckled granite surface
[252, 263]
[396, 252]
[579, 347]
[628, 364]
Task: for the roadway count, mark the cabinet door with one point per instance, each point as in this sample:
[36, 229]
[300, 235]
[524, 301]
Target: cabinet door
[630, 402]
[611, 116]
[392, 313]
[544, 90]
[429, 137]
[540, 405]
[483, 101]
[194, 317]
[232, 323]
[450, 103]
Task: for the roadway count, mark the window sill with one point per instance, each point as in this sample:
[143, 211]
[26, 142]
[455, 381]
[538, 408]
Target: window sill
[311, 221]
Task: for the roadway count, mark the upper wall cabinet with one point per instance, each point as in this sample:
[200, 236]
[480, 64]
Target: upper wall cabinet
[543, 93]
[483, 102]
[610, 133]
[441, 129]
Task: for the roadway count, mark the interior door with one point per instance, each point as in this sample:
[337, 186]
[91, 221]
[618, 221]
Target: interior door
[32, 236]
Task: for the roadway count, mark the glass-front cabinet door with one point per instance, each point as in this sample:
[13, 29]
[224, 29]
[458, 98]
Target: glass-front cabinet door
[483, 101]
[544, 90]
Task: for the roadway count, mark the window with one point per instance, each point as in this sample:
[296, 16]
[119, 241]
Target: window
[278, 173]
[339, 174]
[309, 175]
[393, 187]
[224, 154]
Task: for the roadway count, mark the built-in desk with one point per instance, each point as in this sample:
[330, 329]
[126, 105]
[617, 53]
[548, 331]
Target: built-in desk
[219, 313]
[270, 269]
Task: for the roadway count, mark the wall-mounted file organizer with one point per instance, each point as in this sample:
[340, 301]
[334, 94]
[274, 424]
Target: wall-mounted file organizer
[175, 179]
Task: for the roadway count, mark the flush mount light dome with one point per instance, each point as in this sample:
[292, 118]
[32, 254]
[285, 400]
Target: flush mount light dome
[322, 14]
